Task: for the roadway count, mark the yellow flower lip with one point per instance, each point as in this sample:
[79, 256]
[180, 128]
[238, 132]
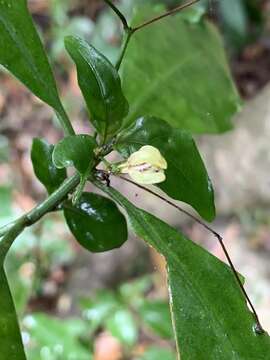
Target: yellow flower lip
[145, 166]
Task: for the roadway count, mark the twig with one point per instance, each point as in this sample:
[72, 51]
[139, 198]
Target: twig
[118, 13]
[65, 122]
[127, 37]
[129, 31]
[259, 329]
[10, 236]
[40, 210]
[162, 16]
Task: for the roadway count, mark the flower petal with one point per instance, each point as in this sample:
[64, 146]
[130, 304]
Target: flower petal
[147, 154]
[147, 177]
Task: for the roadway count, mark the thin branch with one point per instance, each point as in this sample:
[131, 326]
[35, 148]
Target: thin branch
[129, 31]
[40, 210]
[118, 13]
[162, 16]
[65, 122]
[127, 37]
[10, 236]
[259, 329]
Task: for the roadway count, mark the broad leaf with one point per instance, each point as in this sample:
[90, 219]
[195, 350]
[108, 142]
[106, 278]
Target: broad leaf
[100, 85]
[96, 223]
[47, 173]
[10, 337]
[186, 176]
[210, 316]
[122, 326]
[22, 53]
[176, 70]
[75, 150]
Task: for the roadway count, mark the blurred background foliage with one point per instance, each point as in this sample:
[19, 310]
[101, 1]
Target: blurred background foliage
[125, 316]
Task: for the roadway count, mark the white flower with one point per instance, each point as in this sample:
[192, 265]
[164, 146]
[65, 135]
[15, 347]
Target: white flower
[145, 166]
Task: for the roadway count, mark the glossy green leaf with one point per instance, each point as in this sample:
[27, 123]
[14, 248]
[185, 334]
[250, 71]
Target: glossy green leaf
[210, 316]
[186, 176]
[47, 173]
[75, 150]
[122, 326]
[53, 339]
[22, 53]
[176, 69]
[156, 316]
[10, 338]
[100, 85]
[96, 223]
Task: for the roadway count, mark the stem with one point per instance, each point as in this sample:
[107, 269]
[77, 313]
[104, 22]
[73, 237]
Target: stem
[162, 16]
[118, 13]
[65, 122]
[127, 37]
[129, 31]
[37, 213]
[10, 236]
[259, 329]
[53, 200]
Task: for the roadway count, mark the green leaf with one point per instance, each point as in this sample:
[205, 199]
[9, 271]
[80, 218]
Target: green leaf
[22, 53]
[96, 223]
[211, 318]
[156, 315]
[177, 70]
[52, 338]
[123, 327]
[10, 343]
[47, 173]
[75, 150]
[100, 85]
[186, 176]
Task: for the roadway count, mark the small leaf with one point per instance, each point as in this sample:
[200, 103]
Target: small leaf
[75, 150]
[177, 70]
[11, 342]
[22, 53]
[100, 85]
[47, 173]
[96, 223]
[123, 327]
[211, 318]
[186, 176]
